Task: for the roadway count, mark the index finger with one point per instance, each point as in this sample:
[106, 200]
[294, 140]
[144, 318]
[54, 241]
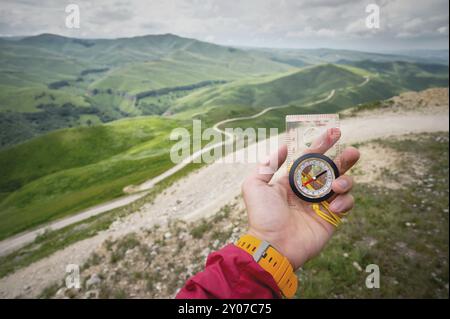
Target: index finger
[265, 170]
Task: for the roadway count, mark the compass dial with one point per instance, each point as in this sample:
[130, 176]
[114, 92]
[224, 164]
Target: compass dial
[311, 177]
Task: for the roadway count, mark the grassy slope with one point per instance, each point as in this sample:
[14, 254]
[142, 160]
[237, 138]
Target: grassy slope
[136, 64]
[386, 80]
[407, 76]
[77, 168]
[67, 175]
[247, 97]
[131, 66]
[50, 242]
[26, 70]
[195, 62]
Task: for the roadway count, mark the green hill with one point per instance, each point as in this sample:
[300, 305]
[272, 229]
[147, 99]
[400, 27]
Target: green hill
[247, 96]
[67, 170]
[43, 59]
[76, 168]
[406, 76]
[98, 80]
[50, 82]
[294, 90]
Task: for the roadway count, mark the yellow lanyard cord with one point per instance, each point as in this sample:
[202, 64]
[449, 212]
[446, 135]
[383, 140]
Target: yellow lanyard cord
[333, 218]
[328, 216]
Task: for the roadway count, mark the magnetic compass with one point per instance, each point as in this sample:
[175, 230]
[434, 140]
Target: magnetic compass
[311, 177]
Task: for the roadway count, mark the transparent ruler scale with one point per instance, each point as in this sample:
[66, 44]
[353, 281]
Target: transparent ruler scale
[310, 176]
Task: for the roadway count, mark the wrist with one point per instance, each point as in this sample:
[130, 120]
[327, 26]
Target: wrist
[272, 261]
[296, 256]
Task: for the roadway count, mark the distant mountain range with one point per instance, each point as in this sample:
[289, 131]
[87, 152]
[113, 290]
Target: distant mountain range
[302, 57]
[50, 81]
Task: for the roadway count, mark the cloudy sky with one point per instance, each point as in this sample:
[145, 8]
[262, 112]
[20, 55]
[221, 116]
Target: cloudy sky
[404, 24]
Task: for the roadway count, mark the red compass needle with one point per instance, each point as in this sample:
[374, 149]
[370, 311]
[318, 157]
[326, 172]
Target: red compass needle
[314, 178]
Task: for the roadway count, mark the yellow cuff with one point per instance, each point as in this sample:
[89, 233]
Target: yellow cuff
[271, 261]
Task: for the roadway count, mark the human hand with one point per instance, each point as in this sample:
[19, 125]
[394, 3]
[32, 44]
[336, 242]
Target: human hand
[296, 232]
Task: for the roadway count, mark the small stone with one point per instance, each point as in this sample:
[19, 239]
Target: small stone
[167, 235]
[345, 255]
[93, 280]
[372, 242]
[205, 252]
[408, 224]
[91, 294]
[61, 292]
[357, 266]
[401, 245]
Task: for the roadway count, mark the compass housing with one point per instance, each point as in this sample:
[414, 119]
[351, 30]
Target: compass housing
[303, 161]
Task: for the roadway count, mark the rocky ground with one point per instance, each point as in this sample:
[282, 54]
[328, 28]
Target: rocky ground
[156, 262]
[430, 100]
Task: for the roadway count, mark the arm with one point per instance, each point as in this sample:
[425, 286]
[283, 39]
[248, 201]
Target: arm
[297, 233]
[230, 273]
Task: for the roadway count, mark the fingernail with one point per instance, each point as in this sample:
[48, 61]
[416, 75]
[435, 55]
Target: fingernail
[336, 205]
[342, 183]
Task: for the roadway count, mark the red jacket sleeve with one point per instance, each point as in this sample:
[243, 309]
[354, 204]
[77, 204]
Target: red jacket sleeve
[230, 273]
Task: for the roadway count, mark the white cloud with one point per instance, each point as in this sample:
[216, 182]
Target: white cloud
[414, 24]
[443, 30]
